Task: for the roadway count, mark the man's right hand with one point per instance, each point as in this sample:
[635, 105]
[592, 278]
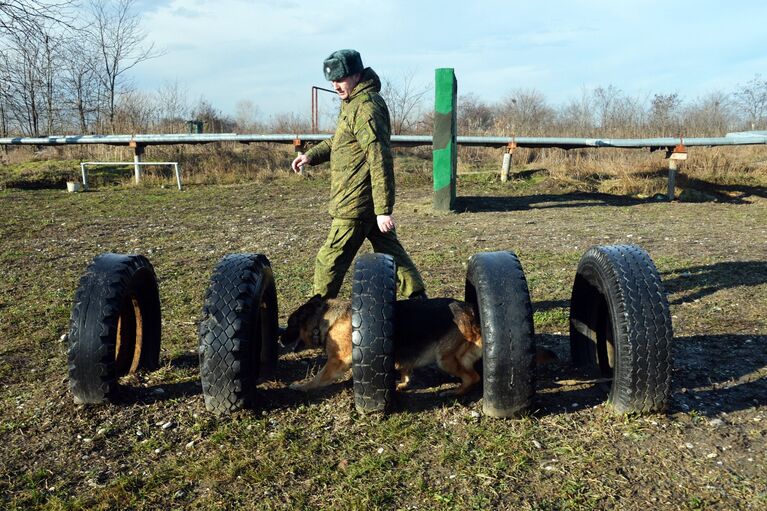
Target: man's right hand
[300, 161]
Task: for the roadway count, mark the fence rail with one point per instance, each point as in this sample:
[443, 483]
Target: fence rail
[675, 147]
[736, 138]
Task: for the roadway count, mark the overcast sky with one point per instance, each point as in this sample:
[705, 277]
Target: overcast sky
[270, 52]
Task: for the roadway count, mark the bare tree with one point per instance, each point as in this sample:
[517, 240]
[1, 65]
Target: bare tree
[752, 99]
[82, 89]
[135, 112]
[604, 101]
[30, 15]
[246, 115]
[49, 60]
[22, 78]
[526, 111]
[5, 97]
[117, 33]
[711, 114]
[404, 100]
[475, 117]
[664, 114]
[575, 117]
[213, 119]
[289, 123]
[171, 106]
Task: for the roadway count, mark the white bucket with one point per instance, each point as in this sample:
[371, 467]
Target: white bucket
[73, 186]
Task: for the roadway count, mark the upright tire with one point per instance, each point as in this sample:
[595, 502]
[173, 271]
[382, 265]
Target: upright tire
[114, 327]
[496, 286]
[374, 292]
[620, 325]
[238, 331]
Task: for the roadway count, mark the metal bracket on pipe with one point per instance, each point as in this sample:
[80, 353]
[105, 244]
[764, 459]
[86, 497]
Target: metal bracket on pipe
[679, 152]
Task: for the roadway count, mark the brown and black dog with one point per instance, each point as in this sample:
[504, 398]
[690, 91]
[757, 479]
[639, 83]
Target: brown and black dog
[437, 330]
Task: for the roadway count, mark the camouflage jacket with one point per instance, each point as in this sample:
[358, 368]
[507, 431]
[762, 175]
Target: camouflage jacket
[361, 167]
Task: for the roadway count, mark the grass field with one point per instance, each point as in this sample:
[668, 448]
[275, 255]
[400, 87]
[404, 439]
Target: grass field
[157, 448]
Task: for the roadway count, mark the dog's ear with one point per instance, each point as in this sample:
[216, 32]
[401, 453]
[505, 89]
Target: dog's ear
[316, 298]
[461, 309]
[465, 319]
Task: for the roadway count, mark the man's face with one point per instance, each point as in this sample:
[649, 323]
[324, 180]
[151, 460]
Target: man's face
[345, 85]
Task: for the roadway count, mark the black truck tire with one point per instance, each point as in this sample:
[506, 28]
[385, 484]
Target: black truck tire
[374, 292]
[497, 288]
[620, 325]
[114, 326]
[238, 332]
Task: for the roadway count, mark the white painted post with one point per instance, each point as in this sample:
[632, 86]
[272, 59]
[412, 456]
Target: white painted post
[507, 159]
[505, 166]
[85, 176]
[178, 176]
[138, 150]
[136, 166]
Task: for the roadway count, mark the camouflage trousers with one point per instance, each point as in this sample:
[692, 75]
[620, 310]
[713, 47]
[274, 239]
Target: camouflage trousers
[344, 240]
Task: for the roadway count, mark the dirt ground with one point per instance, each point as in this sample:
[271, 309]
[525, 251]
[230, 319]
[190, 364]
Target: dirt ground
[158, 447]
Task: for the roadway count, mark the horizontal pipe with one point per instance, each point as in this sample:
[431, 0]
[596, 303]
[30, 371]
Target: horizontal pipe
[737, 138]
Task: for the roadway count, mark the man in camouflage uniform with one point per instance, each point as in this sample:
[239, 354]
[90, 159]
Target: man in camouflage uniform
[361, 179]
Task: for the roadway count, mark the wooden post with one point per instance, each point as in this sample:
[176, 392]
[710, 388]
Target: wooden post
[674, 157]
[672, 168]
[445, 149]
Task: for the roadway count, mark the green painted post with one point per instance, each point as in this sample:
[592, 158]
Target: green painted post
[445, 149]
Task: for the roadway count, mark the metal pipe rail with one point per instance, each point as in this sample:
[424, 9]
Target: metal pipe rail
[737, 138]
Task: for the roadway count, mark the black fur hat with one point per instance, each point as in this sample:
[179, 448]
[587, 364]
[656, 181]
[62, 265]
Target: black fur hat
[342, 63]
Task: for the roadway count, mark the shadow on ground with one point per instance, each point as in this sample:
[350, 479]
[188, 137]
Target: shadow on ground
[705, 280]
[130, 395]
[546, 305]
[731, 193]
[711, 374]
[487, 204]
[719, 373]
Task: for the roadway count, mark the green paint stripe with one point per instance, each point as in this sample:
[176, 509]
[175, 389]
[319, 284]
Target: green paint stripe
[445, 90]
[442, 159]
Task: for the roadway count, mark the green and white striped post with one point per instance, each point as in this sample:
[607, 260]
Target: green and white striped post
[445, 149]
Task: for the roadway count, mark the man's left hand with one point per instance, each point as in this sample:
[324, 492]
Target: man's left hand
[385, 223]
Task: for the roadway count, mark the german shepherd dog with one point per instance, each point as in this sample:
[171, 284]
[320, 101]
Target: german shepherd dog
[437, 330]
